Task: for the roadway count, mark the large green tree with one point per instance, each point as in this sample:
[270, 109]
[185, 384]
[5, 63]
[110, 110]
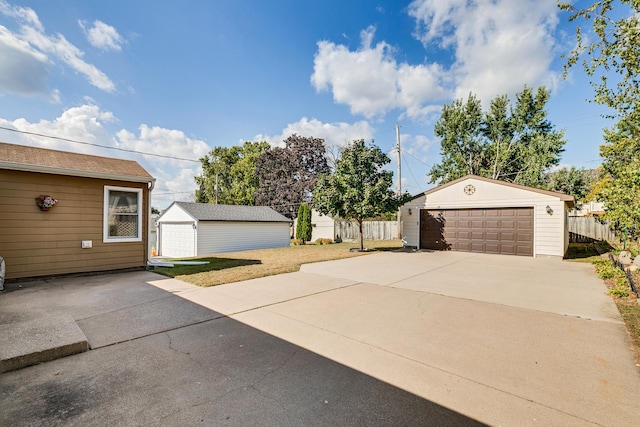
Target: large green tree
[572, 181]
[288, 174]
[619, 185]
[229, 174]
[515, 143]
[611, 56]
[359, 187]
[611, 53]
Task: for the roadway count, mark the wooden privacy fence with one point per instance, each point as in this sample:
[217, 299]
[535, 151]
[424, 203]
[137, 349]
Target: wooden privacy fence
[372, 230]
[583, 229]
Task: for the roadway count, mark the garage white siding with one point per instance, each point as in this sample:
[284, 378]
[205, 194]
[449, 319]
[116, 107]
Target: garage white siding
[218, 237]
[550, 234]
[196, 229]
[177, 240]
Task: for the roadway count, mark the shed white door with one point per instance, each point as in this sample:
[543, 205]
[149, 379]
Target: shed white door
[177, 240]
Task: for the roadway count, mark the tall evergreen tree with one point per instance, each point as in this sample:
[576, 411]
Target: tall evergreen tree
[303, 225]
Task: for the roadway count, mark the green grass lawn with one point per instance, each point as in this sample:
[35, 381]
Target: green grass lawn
[238, 266]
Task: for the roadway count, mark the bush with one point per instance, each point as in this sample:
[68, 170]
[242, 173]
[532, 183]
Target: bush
[323, 241]
[607, 269]
[621, 288]
[297, 242]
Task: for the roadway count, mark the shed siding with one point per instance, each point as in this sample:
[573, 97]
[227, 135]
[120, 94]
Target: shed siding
[218, 237]
[549, 230]
[175, 214]
[36, 243]
[323, 226]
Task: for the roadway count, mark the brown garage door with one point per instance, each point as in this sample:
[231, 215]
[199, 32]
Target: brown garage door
[495, 231]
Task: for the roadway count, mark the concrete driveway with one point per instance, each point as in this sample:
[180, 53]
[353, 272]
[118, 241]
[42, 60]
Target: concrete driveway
[385, 339]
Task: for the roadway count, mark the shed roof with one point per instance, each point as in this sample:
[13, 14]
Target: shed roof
[44, 160]
[211, 212]
[562, 196]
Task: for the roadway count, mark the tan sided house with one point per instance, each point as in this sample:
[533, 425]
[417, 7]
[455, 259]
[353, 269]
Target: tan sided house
[476, 214]
[63, 212]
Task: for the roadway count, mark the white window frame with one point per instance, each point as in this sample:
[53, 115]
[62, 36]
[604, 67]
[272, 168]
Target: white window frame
[105, 218]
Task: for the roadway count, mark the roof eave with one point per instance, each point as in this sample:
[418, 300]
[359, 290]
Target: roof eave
[74, 172]
[563, 197]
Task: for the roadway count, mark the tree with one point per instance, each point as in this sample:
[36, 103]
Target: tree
[619, 184]
[287, 175]
[572, 181]
[511, 143]
[359, 187]
[228, 174]
[615, 48]
[612, 59]
[303, 226]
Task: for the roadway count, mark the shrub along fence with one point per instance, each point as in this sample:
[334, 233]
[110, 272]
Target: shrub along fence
[627, 272]
[372, 230]
[584, 229]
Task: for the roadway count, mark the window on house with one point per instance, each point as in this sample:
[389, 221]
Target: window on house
[122, 214]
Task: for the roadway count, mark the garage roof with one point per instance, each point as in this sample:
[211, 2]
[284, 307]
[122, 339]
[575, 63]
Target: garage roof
[562, 196]
[43, 160]
[211, 212]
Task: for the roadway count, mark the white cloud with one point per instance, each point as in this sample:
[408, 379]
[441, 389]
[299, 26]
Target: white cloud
[164, 142]
[499, 45]
[36, 50]
[87, 123]
[334, 134]
[102, 36]
[23, 69]
[370, 80]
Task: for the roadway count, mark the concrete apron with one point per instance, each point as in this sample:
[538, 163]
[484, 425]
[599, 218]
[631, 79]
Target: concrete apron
[503, 340]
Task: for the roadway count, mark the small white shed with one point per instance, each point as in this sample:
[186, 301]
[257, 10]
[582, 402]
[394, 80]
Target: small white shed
[196, 229]
[477, 214]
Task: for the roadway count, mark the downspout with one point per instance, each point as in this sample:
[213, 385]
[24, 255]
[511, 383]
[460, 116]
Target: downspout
[150, 186]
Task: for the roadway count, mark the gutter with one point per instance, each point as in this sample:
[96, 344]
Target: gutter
[74, 172]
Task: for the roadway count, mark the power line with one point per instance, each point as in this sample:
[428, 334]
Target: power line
[412, 175]
[406, 152]
[98, 145]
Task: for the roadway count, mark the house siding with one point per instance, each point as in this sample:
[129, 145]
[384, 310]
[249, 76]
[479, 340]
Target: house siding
[219, 237]
[36, 243]
[549, 230]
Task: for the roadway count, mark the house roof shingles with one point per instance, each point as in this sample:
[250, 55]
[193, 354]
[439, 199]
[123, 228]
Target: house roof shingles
[211, 212]
[22, 157]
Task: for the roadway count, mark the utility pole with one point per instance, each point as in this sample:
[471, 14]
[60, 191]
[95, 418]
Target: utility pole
[399, 179]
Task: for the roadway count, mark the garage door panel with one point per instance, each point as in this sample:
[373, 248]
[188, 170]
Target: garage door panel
[495, 230]
[177, 240]
[477, 235]
[493, 235]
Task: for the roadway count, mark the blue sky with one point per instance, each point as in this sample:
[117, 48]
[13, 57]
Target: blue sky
[177, 79]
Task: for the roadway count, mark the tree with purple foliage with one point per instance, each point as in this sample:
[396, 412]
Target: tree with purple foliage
[287, 175]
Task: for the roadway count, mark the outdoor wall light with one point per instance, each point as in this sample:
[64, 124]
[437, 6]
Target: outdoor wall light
[549, 210]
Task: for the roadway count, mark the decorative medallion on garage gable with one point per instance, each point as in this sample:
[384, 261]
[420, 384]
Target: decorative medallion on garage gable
[469, 189]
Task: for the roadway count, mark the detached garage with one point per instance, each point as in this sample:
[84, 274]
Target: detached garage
[196, 229]
[476, 214]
